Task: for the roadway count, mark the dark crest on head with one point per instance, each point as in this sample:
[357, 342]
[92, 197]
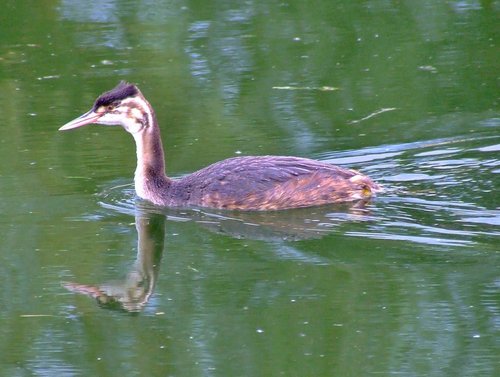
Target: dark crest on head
[121, 91]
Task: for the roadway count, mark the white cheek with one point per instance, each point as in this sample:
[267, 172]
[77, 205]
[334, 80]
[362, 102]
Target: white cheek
[110, 120]
[136, 113]
[132, 126]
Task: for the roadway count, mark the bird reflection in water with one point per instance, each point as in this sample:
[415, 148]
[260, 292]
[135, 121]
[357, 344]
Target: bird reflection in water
[290, 225]
[133, 292]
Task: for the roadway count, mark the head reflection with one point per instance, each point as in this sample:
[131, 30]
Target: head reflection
[133, 291]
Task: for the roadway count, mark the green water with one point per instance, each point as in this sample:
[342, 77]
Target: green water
[95, 283]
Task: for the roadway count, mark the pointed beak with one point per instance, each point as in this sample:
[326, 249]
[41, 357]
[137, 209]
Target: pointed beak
[87, 118]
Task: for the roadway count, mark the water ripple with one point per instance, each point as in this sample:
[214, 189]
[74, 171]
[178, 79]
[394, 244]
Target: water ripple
[434, 194]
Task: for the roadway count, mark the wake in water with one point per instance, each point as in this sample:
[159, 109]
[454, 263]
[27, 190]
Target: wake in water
[438, 192]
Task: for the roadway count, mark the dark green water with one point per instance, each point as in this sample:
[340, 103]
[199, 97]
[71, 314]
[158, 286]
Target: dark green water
[94, 283]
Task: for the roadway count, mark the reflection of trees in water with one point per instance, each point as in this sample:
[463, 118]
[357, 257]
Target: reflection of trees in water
[234, 53]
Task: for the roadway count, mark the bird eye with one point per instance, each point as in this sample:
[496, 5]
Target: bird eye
[110, 107]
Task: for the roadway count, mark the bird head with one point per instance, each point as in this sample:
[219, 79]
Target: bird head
[122, 106]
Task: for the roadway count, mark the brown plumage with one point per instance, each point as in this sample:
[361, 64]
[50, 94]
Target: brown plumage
[240, 183]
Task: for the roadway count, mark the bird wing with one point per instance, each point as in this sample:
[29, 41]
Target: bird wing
[243, 182]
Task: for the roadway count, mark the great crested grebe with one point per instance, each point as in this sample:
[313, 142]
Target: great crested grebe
[239, 183]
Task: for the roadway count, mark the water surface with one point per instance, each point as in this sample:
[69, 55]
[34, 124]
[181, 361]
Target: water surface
[96, 282]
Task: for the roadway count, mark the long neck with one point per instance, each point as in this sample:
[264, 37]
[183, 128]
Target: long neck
[150, 179]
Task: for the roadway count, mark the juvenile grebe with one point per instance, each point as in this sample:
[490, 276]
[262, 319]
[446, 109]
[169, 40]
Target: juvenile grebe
[240, 183]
